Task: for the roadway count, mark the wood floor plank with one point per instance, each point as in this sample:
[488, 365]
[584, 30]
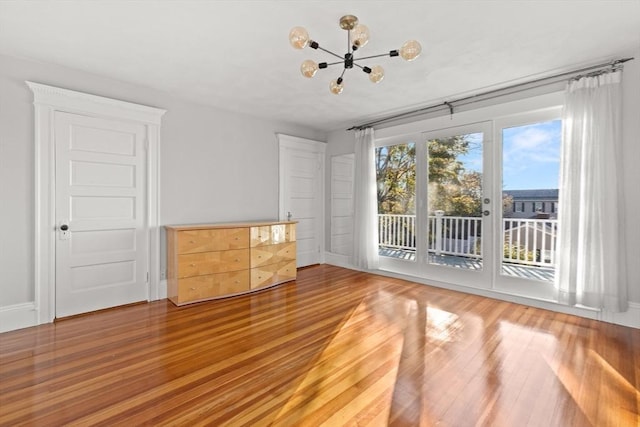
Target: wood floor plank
[335, 347]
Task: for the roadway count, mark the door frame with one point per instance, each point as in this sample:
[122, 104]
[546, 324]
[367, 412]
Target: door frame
[297, 143]
[48, 100]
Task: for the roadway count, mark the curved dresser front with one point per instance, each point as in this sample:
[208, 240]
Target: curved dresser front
[209, 261]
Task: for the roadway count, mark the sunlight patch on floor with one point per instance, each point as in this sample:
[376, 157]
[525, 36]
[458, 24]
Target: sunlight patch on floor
[353, 379]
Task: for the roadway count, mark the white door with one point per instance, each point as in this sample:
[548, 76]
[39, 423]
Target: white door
[435, 204]
[101, 233]
[342, 177]
[301, 194]
[455, 163]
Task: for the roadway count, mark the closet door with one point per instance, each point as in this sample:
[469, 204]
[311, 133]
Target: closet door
[302, 194]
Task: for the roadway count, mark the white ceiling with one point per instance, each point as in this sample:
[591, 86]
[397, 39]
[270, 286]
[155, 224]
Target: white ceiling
[235, 55]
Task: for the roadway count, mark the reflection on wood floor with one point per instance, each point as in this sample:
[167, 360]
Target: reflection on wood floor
[336, 347]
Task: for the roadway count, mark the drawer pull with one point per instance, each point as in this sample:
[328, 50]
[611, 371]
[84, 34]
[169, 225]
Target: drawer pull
[237, 281]
[237, 238]
[192, 265]
[192, 241]
[237, 260]
[193, 289]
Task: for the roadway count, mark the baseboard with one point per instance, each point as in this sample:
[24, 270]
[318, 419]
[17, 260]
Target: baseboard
[630, 318]
[18, 316]
[25, 315]
[338, 260]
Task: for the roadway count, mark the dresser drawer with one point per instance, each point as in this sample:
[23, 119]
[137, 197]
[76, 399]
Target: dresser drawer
[283, 233]
[272, 274]
[202, 263]
[272, 254]
[193, 241]
[261, 236]
[213, 285]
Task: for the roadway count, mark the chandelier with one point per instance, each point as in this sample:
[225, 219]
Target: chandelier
[357, 37]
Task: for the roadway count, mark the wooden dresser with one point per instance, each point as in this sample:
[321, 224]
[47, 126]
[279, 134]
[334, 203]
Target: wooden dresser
[219, 260]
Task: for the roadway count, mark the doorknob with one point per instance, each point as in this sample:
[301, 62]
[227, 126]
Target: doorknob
[64, 231]
[289, 215]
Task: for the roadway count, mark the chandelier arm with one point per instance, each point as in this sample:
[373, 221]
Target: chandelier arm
[331, 53]
[373, 56]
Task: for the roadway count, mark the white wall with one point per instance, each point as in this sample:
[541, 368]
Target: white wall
[342, 142]
[631, 153]
[215, 166]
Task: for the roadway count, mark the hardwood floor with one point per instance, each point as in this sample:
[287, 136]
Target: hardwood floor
[336, 347]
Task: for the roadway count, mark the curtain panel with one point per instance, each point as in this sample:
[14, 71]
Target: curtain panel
[365, 233]
[591, 268]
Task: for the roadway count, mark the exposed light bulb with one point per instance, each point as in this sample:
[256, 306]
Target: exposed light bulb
[309, 68]
[335, 87]
[377, 74]
[298, 37]
[360, 35]
[410, 50]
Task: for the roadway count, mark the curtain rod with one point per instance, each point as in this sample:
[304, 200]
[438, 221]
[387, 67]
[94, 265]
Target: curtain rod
[449, 105]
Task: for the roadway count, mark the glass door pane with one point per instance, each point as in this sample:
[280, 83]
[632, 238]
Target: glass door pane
[455, 200]
[396, 186]
[530, 173]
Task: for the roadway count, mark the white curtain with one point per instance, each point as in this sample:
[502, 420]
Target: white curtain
[365, 233]
[591, 268]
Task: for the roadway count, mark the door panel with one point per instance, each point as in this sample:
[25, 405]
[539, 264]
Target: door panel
[458, 194]
[101, 260]
[301, 195]
[342, 171]
[434, 205]
[529, 162]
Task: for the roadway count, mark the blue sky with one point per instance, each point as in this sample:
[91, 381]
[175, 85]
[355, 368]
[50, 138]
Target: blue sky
[530, 155]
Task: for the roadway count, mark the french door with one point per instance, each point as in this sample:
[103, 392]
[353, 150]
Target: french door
[474, 205]
[527, 151]
[435, 205]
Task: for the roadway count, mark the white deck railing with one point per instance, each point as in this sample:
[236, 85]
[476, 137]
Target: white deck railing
[530, 241]
[397, 231]
[526, 241]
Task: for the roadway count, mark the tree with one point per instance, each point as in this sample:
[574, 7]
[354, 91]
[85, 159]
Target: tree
[452, 188]
[507, 204]
[396, 178]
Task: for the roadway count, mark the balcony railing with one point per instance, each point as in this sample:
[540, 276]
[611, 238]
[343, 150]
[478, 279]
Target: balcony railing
[526, 241]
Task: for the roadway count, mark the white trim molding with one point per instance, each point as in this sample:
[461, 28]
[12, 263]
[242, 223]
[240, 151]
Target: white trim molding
[630, 318]
[48, 100]
[70, 100]
[18, 316]
[338, 260]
